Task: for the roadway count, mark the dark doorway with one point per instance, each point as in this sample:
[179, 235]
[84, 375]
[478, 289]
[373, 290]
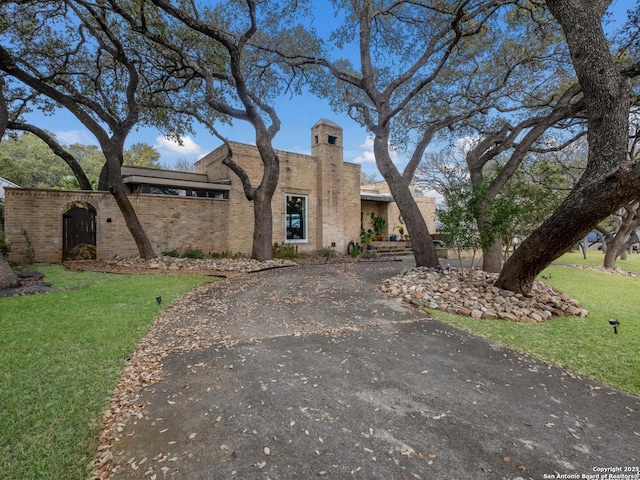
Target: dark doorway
[79, 232]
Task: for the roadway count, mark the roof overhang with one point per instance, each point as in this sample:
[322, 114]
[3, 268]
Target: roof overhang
[376, 197]
[170, 182]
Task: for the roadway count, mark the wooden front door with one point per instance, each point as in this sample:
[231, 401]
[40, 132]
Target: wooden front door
[79, 234]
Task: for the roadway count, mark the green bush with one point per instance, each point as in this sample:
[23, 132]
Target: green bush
[328, 252]
[355, 251]
[286, 250]
[171, 253]
[191, 252]
[225, 254]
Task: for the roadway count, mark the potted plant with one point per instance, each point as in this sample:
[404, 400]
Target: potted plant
[379, 224]
[400, 235]
[366, 237]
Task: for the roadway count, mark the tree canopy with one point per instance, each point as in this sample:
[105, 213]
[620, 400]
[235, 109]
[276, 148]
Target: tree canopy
[29, 162]
[521, 77]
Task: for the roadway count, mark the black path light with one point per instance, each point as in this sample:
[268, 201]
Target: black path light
[615, 324]
[158, 300]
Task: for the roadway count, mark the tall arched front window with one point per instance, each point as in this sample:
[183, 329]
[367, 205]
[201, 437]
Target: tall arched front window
[296, 218]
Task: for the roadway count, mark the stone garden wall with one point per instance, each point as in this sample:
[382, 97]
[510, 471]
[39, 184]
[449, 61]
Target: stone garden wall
[33, 223]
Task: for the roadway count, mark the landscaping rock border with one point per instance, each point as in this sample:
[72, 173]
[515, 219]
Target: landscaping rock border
[164, 264]
[473, 294]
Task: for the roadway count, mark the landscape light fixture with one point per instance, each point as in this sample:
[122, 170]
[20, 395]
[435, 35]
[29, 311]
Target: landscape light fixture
[615, 324]
[159, 300]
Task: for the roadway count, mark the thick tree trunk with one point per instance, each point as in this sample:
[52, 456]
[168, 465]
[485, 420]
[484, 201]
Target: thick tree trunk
[262, 248]
[116, 188]
[585, 207]
[608, 182]
[424, 250]
[492, 257]
[8, 278]
[620, 241]
[263, 222]
[612, 251]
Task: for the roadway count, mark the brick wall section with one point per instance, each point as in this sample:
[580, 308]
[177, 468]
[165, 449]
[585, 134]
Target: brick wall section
[299, 176]
[170, 222]
[351, 204]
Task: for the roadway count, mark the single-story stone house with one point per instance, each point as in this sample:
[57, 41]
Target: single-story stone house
[318, 203]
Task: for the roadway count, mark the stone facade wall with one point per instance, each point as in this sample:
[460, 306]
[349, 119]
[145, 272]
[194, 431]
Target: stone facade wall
[351, 205]
[170, 222]
[299, 175]
[331, 188]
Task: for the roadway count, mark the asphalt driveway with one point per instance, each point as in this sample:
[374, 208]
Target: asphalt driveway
[309, 372]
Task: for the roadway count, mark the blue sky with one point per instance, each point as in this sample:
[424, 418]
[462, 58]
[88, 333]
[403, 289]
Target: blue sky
[297, 115]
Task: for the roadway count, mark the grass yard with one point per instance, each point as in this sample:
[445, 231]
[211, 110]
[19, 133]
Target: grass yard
[586, 346]
[61, 356]
[595, 258]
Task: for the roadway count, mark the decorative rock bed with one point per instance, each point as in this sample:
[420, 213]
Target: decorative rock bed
[471, 293]
[181, 265]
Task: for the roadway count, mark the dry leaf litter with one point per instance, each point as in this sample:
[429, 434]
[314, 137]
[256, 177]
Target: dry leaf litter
[461, 292]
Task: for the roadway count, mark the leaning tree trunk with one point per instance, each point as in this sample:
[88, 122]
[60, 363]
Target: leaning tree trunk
[8, 278]
[116, 188]
[422, 244]
[424, 250]
[583, 208]
[608, 181]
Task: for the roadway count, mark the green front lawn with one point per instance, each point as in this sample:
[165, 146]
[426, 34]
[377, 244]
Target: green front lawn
[595, 258]
[61, 356]
[587, 346]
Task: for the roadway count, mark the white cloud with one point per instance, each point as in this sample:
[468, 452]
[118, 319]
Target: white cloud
[187, 147]
[366, 155]
[70, 137]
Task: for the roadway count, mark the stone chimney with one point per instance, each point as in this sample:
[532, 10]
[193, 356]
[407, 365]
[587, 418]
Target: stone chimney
[326, 147]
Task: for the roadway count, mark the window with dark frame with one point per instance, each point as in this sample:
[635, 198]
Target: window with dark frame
[296, 218]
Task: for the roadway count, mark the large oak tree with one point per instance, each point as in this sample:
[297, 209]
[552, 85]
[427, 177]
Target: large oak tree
[241, 81]
[610, 180]
[422, 68]
[80, 59]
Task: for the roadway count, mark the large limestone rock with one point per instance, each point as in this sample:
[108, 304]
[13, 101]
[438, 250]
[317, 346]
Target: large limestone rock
[8, 278]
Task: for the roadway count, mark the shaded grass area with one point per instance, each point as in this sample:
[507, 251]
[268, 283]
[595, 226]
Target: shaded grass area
[587, 346]
[62, 353]
[595, 258]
